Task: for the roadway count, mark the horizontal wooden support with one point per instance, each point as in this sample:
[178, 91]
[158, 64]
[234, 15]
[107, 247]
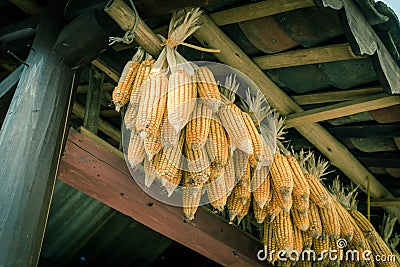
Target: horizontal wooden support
[82, 89]
[11, 81]
[365, 131]
[258, 10]
[104, 126]
[109, 113]
[335, 96]
[308, 56]
[385, 202]
[95, 171]
[342, 109]
[109, 71]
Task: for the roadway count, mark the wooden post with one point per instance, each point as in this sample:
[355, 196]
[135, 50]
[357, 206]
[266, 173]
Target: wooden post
[30, 145]
[92, 109]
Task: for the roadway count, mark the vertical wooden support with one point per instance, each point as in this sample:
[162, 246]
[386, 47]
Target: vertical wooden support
[30, 145]
[92, 108]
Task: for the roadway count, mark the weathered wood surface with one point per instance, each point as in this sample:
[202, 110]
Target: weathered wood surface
[365, 41]
[335, 96]
[110, 72]
[30, 145]
[90, 168]
[342, 109]
[308, 56]
[385, 202]
[93, 100]
[258, 10]
[8, 83]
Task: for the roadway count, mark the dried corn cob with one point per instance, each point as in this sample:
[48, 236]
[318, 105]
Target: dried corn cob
[234, 205]
[318, 193]
[169, 136]
[300, 220]
[150, 173]
[198, 164]
[229, 177]
[122, 91]
[282, 177]
[304, 263]
[216, 190]
[275, 207]
[142, 74]
[255, 138]
[240, 162]
[283, 231]
[243, 212]
[198, 128]
[136, 152]
[181, 99]
[261, 186]
[269, 243]
[217, 145]
[366, 227]
[243, 185]
[235, 127]
[314, 220]
[167, 163]
[330, 222]
[307, 237]
[301, 188]
[297, 239]
[300, 203]
[358, 236]
[346, 228]
[259, 213]
[152, 105]
[208, 88]
[321, 245]
[152, 144]
[191, 194]
[130, 118]
[381, 249]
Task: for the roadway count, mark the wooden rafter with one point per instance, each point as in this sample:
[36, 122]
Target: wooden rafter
[342, 109]
[30, 7]
[258, 10]
[308, 56]
[95, 171]
[385, 202]
[8, 83]
[210, 35]
[335, 96]
[110, 72]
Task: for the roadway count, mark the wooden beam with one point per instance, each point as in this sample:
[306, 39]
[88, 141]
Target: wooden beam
[104, 126]
[125, 18]
[307, 56]
[93, 100]
[341, 109]
[258, 10]
[385, 202]
[110, 72]
[93, 170]
[31, 145]
[30, 7]
[107, 87]
[335, 96]
[210, 35]
[109, 113]
[12, 80]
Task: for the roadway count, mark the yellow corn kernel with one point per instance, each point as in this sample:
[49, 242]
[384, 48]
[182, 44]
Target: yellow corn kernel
[136, 152]
[366, 227]
[122, 91]
[198, 128]
[346, 227]
[216, 189]
[330, 222]
[217, 145]
[282, 177]
[191, 195]
[300, 220]
[283, 231]
[314, 220]
[143, 73]
[261, 186]
[255, 138]
[318, 193]
[208, 88]
[259, 213]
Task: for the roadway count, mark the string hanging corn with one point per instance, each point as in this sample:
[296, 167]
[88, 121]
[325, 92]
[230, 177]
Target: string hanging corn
[181, 99]
[259, 213]
[261, 186]
[122, 91]
[136, 152]
[143, 74]
[191, 195]
[152, 105]
[231, 119]
[198, 164]
[216, 190]
[282, 177]
[314, 220]
[283, 231]
[330, 222]
[217, 145]
[208, 88]
[198, 128]
[300, 220]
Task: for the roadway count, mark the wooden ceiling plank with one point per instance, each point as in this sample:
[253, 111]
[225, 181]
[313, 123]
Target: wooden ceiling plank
[315, 55]
[335, 96]
[341, 109]
[210, 35]
[102, 175]
[258, 10]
